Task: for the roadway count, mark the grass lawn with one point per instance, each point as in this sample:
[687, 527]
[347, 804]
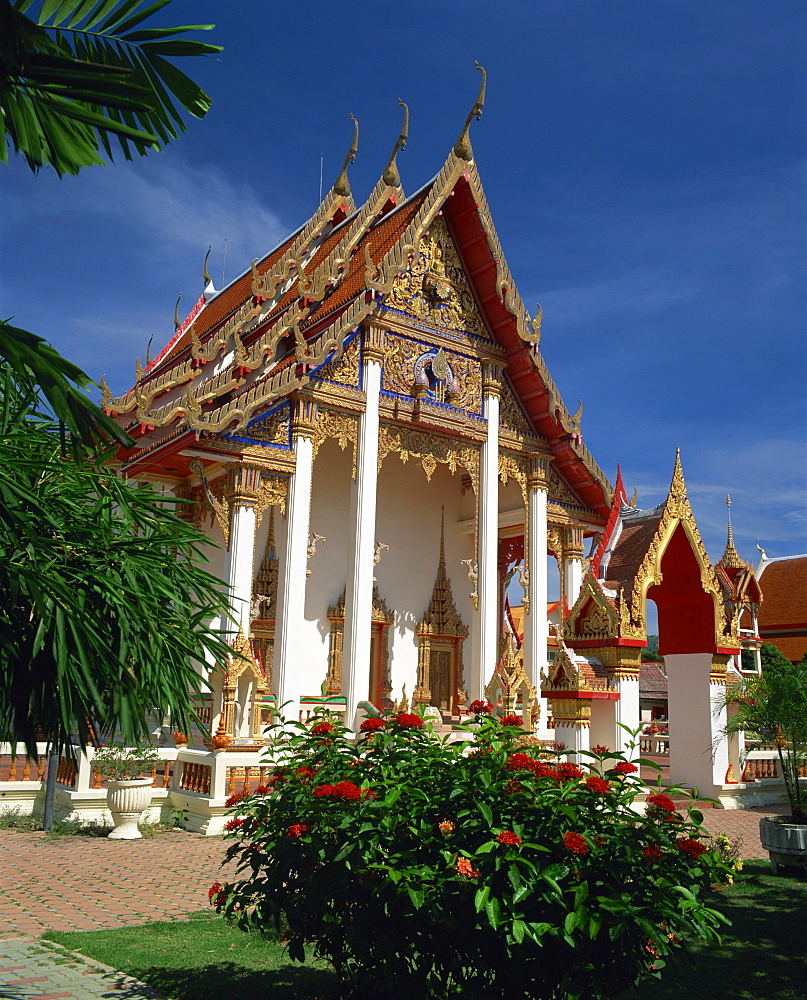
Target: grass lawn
[763, 957]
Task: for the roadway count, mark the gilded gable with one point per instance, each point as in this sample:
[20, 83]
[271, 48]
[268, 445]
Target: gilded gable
[413, 368]
[435, 290]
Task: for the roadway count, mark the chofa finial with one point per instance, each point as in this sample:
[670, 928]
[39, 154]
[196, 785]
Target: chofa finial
[177, 324]
[205, 273]
[391, 175]
[462, 147]
[342, 185]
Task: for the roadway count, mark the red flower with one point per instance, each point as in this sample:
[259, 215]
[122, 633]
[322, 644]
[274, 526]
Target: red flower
[512, 720]
[508, 837]
[575, 843]
[541, 769]
[296, 830]
[306, 772]
[691, 847]
[599, 840]
[214, 890]
[596, 784]
[464, 867]
[371, 724]
[368, 793]
[652, 852]
[322, 790]
[600, 749]
[346, 790]
[519, 762]
[233, 824]
[408, 720]
[480, 707]
[513, 787]
[233, 799]
[263, 790]
[323, 728]
[568, 772]
[660, 803]
[221, 899]
[625, 767]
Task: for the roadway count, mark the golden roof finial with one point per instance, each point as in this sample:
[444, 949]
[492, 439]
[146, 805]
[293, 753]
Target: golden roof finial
[442, 538]
[342, 184]
[391, 175]
[731, 557]
[148, 350]
[462, 147]
[106, 395]
[678, 488]
[205, 274]
[177, 324]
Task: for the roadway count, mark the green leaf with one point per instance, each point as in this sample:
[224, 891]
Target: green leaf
[486, 811]
[519, 929]
[481, 897]
[492, 911]
[417, 896]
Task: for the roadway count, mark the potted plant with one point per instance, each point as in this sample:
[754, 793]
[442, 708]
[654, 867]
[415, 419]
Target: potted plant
[773, 706]
[128, 794]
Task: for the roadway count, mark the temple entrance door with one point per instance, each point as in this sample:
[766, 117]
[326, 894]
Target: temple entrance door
[443, 677]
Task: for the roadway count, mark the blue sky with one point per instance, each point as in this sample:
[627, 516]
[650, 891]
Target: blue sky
[645, 165]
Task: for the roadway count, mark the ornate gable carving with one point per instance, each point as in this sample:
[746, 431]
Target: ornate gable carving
[511, 417]
[407, 364]
[343, 370]
[592, 616]
[435, 290]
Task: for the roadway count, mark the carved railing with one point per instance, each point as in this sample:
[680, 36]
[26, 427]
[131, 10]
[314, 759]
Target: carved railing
[196, 777]
[23, 768]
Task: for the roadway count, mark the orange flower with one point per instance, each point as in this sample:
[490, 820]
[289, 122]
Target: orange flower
[446, 826]
[464, 867]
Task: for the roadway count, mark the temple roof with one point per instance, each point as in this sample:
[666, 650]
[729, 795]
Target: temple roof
[292, 310]
[783, 615]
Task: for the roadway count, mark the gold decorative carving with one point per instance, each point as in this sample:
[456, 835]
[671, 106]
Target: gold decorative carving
[305, 413]
[220, 508]
[381, 620]
[430, 449]
[435, 289]
[440, 633]
[273, 429]
[243, 689]
[558, 491]
[510, 683]
[343, 427]
[400, 358]
[343, 367]
[511, 417]
[263, 608]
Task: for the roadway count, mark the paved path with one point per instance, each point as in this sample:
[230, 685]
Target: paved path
[83, 883]
[86, 883]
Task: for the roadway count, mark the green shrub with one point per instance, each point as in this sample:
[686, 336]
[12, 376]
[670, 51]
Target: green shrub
[492, 869]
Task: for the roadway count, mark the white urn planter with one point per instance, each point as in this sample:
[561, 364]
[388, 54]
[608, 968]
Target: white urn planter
[127, 800]
[786, 843]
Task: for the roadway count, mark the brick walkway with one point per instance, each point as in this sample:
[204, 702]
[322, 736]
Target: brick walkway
[83, 883]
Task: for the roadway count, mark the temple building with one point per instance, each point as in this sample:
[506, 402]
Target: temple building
[372, 441]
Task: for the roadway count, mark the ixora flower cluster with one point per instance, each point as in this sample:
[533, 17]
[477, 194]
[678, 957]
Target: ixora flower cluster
[495, 868]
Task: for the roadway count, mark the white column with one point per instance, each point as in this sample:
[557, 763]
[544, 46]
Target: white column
[536, 625]
[291, 596]
[483, 660]
[576, 737]
[698, 755]
[626, 712]
[572, 563]
[238, 567]
[359, 588]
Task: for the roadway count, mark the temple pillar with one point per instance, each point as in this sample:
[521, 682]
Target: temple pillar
[292, 572]
[359, 586]
[572, 561]
[572, 722]
[699, 755]
[484, 650]
[536, 625]
[623, 664]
